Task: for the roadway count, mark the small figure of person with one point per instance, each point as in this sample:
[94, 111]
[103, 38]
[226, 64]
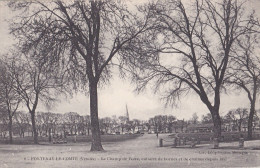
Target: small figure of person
[157, 134]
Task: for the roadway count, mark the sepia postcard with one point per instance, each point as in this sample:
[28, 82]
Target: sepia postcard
[128, 83]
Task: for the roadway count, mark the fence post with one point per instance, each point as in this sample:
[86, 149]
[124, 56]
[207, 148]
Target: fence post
[179, 141]
[184, 141]
[160, 142]
[211, 139]
[175, 142]
[193, 143]
[198, 140]
[241, 142]
[215, 143]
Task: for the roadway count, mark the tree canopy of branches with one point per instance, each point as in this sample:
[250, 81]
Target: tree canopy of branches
[188, 49]
[36, 81]
[245, 71]
[8, 95]
[82, 36]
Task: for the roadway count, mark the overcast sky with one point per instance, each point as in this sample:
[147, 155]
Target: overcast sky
[114, 97]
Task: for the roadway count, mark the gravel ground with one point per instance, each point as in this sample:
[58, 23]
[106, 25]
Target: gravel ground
[142, 152]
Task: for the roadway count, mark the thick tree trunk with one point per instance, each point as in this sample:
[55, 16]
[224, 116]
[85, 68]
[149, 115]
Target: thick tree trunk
[214, 111]
[252, 110]
[239, 126]
[40, 131]
[34, 130]
[76, 130]
[10, 128]
[21, 136]
[250, 121]
[96, 138]
[122, 129]
[20, 133]
[49, 134]
[217, 124]
[83, 131]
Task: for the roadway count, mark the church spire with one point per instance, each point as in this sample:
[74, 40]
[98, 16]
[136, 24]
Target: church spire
[127, 114]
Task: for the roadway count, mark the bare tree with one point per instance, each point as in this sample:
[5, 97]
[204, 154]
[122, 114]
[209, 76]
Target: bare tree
[158, 122]
[3, 113]
[10, 98]
[60, 125]
[36, 82]
[206, 119]
[46, 122]
[84, 35]
[105, 124]
[81, 126]
[188, 49]
[245, 72]
[87, 123]
[194, 119]
[21, 120]
[170, 121]
[3, 119]
[71, 119]
[39, 122]
[238, 117]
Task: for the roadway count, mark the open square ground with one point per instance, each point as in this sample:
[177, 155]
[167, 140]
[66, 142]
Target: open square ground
[140, 152]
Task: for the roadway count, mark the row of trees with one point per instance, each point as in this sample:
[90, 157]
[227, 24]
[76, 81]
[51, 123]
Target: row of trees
[201, 47]
[236, 118]
[68, 123]
[47, 123]
[71, 123]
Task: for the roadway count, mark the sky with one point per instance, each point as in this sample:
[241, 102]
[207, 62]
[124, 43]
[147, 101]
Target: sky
[114, 97]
